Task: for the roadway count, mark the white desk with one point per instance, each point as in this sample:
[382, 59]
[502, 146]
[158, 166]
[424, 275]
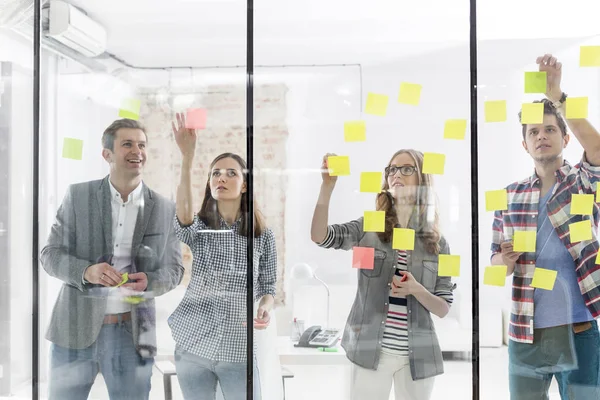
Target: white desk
[290, 355]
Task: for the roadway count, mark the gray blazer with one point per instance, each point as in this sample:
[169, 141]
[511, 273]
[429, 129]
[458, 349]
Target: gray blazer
[363, 333]
[81, 235]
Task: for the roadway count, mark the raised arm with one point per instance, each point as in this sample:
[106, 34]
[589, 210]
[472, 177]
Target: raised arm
[318, 230]
[186, 141]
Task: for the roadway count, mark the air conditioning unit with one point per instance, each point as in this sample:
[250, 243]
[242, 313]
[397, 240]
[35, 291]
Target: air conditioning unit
[74, 29]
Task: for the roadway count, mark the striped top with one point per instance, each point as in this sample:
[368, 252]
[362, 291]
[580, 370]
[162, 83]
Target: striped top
[395, 334]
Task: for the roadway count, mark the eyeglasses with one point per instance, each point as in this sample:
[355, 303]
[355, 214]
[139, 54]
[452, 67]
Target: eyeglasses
[405, 170]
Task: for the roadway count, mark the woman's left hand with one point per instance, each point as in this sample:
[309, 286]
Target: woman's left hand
[263, 318]
[409, 286]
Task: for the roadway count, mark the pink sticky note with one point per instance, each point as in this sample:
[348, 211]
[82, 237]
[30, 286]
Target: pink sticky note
[363, 257]
[195, 118]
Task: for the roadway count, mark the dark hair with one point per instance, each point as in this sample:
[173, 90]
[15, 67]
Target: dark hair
[110, 133]
[548, 110]
[209, 213]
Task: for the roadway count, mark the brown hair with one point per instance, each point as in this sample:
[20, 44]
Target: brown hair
[209, 213]
[428, 230]
[548, 110]
[110, 133]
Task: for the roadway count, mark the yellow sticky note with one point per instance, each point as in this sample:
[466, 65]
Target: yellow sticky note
[532, 113]
[374, 221]
[355, 131]
[338, 165]
[582, 204]
[580, 231]
[495, 275]
[543, 278]
[124, 279]
[403, 239]
[448, 265]
[72, 148]
[589, 56]
[535, 82]
[133, 299]
[455, 129]
[495, 111]
[598, 258]
[370, 182]
[577, 107]
[433, 163]
[376, 104]
[524, 241]
[410, 93]
[130, 108]
[496, 200]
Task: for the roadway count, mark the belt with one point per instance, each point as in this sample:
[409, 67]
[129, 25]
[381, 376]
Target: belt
[116, 318]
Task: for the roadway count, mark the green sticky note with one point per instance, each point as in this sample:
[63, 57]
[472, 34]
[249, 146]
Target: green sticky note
[495, 275]
[124, 279]
[495, 111]
[448, 265]
[577, 107]
[433, 163]
[130, 108]
[338, 165]
[496, 200]
[134, 299]
[403, 239]
[72, 148]
[582, 204]
[370, 182]
[543, 278]
[376, 104]
[524, 241]
[580, 231]
[410, 93]
[589, 56]
[455, 129]
[355, 131]
[374, 221]
[535, 82]
[532, 113]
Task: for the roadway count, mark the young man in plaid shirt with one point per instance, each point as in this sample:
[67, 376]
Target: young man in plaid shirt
[553, 332]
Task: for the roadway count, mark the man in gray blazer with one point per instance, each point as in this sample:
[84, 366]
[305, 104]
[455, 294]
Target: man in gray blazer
[106, 229]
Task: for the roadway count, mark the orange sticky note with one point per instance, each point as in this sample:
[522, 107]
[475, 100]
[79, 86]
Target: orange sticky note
[535, 82]
[130, 108]
[363, 257]
[448, 265]
[433, 163]
[410, 93]
[532, 113]
[496, 200]
[582, 204]
[403, 239]
[376, 104]
[338, 165]
[495, 111]
[195, 118]
[589, 56]
[370, 182]
[580, 231]
[72, 149]
[577, 107]
[495, 275]
[524, 241]
[355, 131]
[374, 221]
[455, 129]
[543, 278]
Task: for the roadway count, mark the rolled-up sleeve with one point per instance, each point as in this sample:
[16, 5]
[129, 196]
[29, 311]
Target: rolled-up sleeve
[444, 287]
[343, 236]
[497, 233]
[589, 175]
[187, 233]
[267, 267]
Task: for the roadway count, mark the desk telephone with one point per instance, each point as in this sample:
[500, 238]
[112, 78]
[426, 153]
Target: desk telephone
[316, 337]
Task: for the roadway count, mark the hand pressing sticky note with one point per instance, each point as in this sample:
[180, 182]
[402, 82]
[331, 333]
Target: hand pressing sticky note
[495, 111]
[403, 239]
[376, 104]
[363, 257]
[374, 221]
[577, 107]
[455, 129]
[195, 118]
[496, 200]
[72, 149]
[338, 165]
[495, 275]
[130, 108]
[524, 241]
[410, 93]
[582, 204]
[535, 82]
[543, 278]
[580, 231]
[448, 265]
[532, 113]
[370, 182]
[355, 131]
[433, 163]
[124, 279]
[589, 56]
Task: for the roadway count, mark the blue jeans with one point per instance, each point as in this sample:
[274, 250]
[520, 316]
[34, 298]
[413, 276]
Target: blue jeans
[127, 375]
[198, 377]
[572, 358]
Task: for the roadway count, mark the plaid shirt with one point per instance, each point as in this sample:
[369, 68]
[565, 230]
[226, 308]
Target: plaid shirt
[522, 213]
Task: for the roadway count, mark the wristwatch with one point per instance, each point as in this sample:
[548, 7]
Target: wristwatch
[560, 102]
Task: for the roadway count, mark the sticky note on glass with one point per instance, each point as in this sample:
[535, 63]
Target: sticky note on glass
[410, 93]
[370, 182]
[589, 56]
[403, 239]
[532, 113]
[455, 129]
[598, 258]
[495, 111]
[524, 241]
[448, 265]
[577, 107]
[130, 108]
[72, 148]
[195, 118]
[535, 82]
[495, 275]
[338, 165]
[543, 278]
[124, 279]
[363, 257]
[355, 131]
[582, 204]
[496, 200]
[580, 231]
[374, 221]
[376, 104]
[433, 163]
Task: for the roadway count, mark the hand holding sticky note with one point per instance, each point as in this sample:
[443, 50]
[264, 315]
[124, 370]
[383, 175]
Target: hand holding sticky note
[496, 200]
[544, 278]
[448, 265]
[355, 131]
[524, 241]
[410, 93]
[376, 104]
[363, 257]
[374, 221]
[582, 204]
[580, 231]
[495, 275]
[338, 165]
[455, 129]
[495, 111]
[403, 239]
[433, 163]
[124, 279]
[370, 182]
